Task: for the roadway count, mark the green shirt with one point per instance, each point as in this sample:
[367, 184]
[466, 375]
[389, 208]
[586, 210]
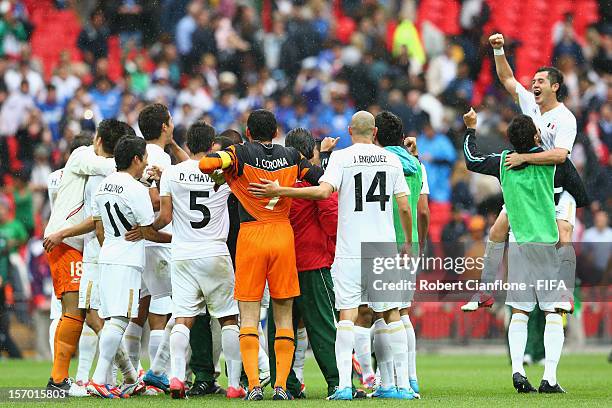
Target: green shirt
[9, 231]
[530, 202]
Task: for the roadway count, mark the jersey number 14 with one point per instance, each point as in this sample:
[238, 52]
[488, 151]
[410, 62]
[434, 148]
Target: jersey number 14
[380, 183]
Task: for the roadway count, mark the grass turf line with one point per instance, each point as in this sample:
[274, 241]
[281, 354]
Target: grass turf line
[459, 381]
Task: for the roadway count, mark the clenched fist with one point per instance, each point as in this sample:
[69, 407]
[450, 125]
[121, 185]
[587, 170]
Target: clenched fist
[470, 119]
[496, 40]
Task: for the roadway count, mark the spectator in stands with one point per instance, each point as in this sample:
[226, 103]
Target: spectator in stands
[38, 179]
[333, 120]
[52, 110]
[224, 113]
[597, 250]
[602, 61]
[203, 38]
[15, 108]
[453, 233]
[12, 34]
[125, 17]
[161, 90]
[21, 195]
[460, 90]
[93, 39]
[65, 82]
[185, 29]
[12, 236]
[14, 77]
[195, 95]
[138, 77]
[439, 155]
[106, 97]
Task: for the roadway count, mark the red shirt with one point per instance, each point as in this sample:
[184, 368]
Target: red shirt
[314, 224]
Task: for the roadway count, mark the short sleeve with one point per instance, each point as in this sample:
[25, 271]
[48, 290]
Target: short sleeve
[333, 172]
[425, 186]
[527, 102]
[400, 187]
[142, 209]
[566, 134]
[164, 183]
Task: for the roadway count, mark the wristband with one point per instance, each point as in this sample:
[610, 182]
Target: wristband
[498, 51]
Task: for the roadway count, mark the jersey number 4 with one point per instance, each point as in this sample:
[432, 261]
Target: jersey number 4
[380, 182]
[193, 205]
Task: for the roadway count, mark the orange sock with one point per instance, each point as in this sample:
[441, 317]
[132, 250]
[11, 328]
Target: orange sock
[249, 349]
[284, 346]
[66, 341]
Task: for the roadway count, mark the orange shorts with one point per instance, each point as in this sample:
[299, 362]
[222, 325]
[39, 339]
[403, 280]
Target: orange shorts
[265, 251]
[66, 264]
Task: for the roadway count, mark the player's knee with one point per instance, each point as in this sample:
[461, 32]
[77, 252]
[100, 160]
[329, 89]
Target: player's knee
[365, 317]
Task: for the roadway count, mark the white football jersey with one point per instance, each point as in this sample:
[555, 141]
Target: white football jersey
[68, 205]
[425, 187]
[122, 202]
[557, 126]
[158, 157]
[199, 213]
[91, 247]
[53, 183]
[366, 177]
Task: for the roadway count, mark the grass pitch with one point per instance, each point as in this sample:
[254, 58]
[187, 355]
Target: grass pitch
[458, 381]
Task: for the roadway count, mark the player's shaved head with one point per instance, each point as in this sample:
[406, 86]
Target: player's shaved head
[362, 124]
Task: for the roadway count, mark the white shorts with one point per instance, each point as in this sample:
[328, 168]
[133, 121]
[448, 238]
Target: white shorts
[156, 274]
[89, 293]
[118, 287]
[566, 209]
[161, 306]
[349, 291]
[204, 283]
[535, 266]
[56, 308]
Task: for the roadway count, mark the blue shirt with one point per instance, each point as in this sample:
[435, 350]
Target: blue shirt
[223, 116]
[108, 102]
[52, 115]
[335, 124]
[184, 29]
[442, 156]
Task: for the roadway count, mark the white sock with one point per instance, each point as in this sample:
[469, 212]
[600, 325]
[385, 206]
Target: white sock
[162, 357]
[52, 328]
[517, 339]
[231, 350]
[110, 338]
[384, 356]
[553, 344]
[155, 339]
[345, 341]
[397, 342]
[88, 344]
[133, 333]
[215, 329]
[300, 353]
[263, 361]
[179, 342]
[411, 342]
[494, 253]
[123, 362]
[188, 371]
[363, 350]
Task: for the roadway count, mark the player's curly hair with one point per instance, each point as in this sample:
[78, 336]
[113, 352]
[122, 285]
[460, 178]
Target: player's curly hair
[151, 119]
[521, 132]
[261, 124]
[301, 140]
[111, 131]
[128, 148]
[555, 77]
[390, 129]
[200, 137]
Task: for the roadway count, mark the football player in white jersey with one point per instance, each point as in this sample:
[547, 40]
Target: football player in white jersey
[65, 258]
[118, 207]
[53, 183]
[155, 123]
[353, 171]
[202, 272]
[557, 127]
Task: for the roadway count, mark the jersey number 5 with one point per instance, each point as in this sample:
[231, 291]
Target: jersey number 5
[380, 181]
[193, 205]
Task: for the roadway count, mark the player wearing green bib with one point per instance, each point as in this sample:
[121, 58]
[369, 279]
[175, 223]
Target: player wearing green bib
[530, 193]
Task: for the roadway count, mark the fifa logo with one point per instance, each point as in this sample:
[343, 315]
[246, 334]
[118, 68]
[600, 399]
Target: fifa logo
[76, 269]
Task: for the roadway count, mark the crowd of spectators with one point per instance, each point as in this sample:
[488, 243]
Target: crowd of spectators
[313, 63]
